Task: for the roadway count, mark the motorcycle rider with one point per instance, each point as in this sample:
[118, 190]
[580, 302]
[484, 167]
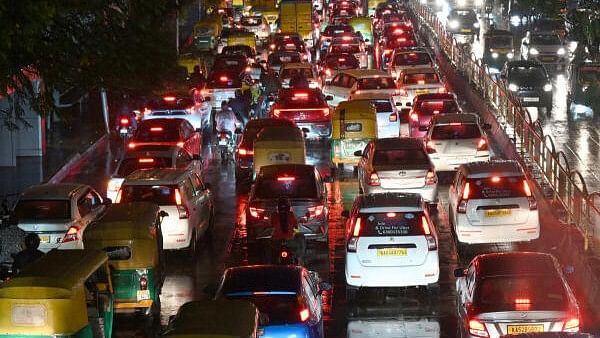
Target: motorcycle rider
[270, 82]
[126, 112]
[197, 79]
[286, 231]
[11, 239]
[225, 119]
[28, 255]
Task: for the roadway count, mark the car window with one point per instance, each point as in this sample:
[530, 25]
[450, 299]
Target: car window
[157, 132]
[400, 156]
[43, 209]
[376, 83]
[412, 59]
[430, 107]
[281, 308]
[159, 194]
[294, 187]
[458, 131]
[344, 81]
[420, 78]
[290, 72]
[391, 224]
[498, 187]
[87, 203]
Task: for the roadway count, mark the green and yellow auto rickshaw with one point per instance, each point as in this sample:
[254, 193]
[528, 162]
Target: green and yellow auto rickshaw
[66, 293]
[130, 235]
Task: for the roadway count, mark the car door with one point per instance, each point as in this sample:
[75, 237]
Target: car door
[202, 201]
[190, 198]
[464, 289]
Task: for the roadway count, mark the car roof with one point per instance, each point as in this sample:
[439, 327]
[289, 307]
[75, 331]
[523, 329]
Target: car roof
[170, 122]
[489, 168]
[256, 278]
[398, 143]
[158, 151]
[58, 191]
[452, 118]
[365, 73]
[275, 170]
[280, 133]
[156, 176]
[511, 263]
[374, 202]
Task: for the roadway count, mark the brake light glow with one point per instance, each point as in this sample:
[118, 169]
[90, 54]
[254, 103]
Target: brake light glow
[477, 328]
[374, 179]
[131, 145]
[356, 230]
[526, 188]
[256, 212]
[401, 39]
[223, 79]
[442, 90]
[482, 145]
[571, 325]
[119, 195]
[421, 82]
[276, 112]
[169, 98]
[146, 160]
[328, 72]
[522, 301]
[414, 117]
[466, 191]
[304, 314]
[456, 124]
[180, 144]
[342, 59]
[156, 129]
[71, 234]
[143, 282]
[435, 112]
[495, 179]
[398, 31]
[425, 225]
[243, 151]
[390, 214]
[177, 197]
[402, 92]
[430, 147]
[285, 179]
[248, 69]
[124, 121]
[302, 95]
[315, 211]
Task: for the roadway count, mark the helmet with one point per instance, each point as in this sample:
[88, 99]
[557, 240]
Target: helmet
[32, 241]
[283, 204]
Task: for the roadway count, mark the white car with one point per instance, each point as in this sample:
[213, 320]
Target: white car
[353, 84]
[388, 118]
[150, 157]
[177, 108]
[455, 139]
[289, 70]
[412, 82]
[181, 194]
[394, 326]
[256, 24]
[58, 213]
[492, 202]
[397, 165]
[409, 58]
[391, 242]
[351, 47]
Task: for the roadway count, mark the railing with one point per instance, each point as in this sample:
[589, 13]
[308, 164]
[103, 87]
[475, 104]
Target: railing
[568, 187]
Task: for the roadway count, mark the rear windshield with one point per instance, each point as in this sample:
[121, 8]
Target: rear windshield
[391, 224]
[237, 50]
[169, 112]
[43, 209]
[341, 62]
[159, 194]
[420, 78]
[437, 107]
[164, 132]
[251, 21]
[277, 59]
[281, 309]
[344, 48]
[522, 293]
[497, 187]
[412, 59]
[589, 74]
[301, 100]
[224, 82]
[459, 131]
[330, 30]
[289, 72]
[228, 63]
[376, 83]
[299, 187]
[400, 156]
[382, 106]
[532, 73]
[132, 164]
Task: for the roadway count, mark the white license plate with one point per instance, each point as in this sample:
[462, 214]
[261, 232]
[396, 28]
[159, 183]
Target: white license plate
[531, 99]
[222, 142]
[143, 295]
[280, 158]
[123, 131]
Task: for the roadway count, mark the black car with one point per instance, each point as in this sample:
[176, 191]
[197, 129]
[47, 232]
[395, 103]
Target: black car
[463, 21]
[529, 82]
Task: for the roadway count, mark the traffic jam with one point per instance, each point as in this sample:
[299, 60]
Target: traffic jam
[319, 177]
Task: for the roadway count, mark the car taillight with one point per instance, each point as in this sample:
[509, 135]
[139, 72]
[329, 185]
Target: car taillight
[124, 122]
[244, 152]
[414, 117]
[256, 212]
[530, 198]
[431, 243]
[143, 282]
[571, 325]
[180, 144]
[119, 195]
[181, 208]
[374, 179]
[442, 90]
[462, 205]
[430, 178]
[353, 240]
[113, 186]
[387, 52]
[402, 92]
[315, 211]
[430, 147]
[325, 111]
[304, 314]
[477, 328]
[131, 145]
[482, 145]
[276, 112]
[355, 92]
[328, 72]
[393, 117]
[71, 235]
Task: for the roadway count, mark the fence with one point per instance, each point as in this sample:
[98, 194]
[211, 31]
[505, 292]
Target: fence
[568, 186]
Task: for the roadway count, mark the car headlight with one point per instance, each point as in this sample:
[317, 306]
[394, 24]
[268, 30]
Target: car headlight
[547, 87]
[533, 51]
[513, 87]
[510, 55]
[454, 24]
[561, 51]
[476, 25]
[495, 55]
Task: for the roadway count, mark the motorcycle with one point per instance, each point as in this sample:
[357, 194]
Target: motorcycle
[226, 144]
[125, 128]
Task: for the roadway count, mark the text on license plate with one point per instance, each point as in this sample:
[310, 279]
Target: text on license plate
[498, 212]
[422, 91]
[392, 252]
[465, 30]
[531, 99]
[143, 295]
[280, 157]
[44, 238]
[518, 329]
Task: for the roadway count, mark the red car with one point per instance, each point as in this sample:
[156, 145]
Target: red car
[168, 132]
[307, 108]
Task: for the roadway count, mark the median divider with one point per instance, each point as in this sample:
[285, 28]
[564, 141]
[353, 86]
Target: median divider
[77, 160]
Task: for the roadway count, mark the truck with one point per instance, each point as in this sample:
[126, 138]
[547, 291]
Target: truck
[266, 8]
[295, 16]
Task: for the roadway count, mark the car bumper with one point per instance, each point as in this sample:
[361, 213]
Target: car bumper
[316, 228]
[485, 234]
[358, 275]
[535, 98]
[176, 233]
[124, 306]
[428, 193]
[451, 163]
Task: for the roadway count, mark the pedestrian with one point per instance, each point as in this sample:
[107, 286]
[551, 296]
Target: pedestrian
[28, 255]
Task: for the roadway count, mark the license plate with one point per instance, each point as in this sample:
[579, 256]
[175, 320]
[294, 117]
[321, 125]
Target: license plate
[143, 295]
[280, 157]
[222, 142]
[392, 252]
[519, 329]
[548, 58]
[123, 131]
[498, 212]
[531, 99]
[422, 91]
[44, 238]
[465, 30]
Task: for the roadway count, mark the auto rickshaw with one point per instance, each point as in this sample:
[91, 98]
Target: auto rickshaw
[364, 26]
[354, 124]
[215, 318]
[66, 293]
[131, 236]
[279, 145]
[242, 38]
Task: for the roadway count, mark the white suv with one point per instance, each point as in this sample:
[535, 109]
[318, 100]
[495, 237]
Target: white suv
[454, 139]
[492, 202]
[353, 84]
[390, 242]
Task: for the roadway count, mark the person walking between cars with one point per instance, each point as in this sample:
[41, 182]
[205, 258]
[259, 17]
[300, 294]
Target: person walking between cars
[286, 231]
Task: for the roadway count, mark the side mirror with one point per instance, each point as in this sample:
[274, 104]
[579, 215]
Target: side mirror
[345, 213]
[238, 130]
[503, 76]
[328, 179]
[460, 272]
[358, 153]
[163, 214]
[486, 126]
[398, 104]
[328, 82]
[197, 157]
[305, 130]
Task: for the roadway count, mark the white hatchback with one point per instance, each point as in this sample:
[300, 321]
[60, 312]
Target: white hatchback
[412, 82]
[390, 242]
[492, 202]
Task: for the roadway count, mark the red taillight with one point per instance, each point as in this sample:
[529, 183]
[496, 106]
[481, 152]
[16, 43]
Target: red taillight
[425, 224]
[325, 111]
[421, 82]
[522, 301]
[131, 145]
[530, 198]
[178, 199]
[248, 69]
[315, 211]
[304, 314]
[256, 212]
[356, 227]
[169, 98]
[571, 325]
[156, 129]
[285, 179]
[442, 90]
[146, 160]
[374, 179]
[430, 147]
[284, 254]
[119, 195]
[244, 152]
[143, 282]
[393, 117]
[430, 178]
[71, 235]
[181, 208]
[223, 79]
[276, 112]
[328, 72]
[124, 122]
[414, 117]
[526, 188]
[477, 328]
[482, 145]
[431, 242]
[353, 240]
[180, 144]
[467, 191]
[462, 205]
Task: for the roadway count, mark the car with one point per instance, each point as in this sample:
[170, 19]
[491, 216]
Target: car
[492, 202]
[256, 24]
[406, 40]
[171, 106]
[498, 49]
[224, 37]
[247, 51]
[327, 36]
[581, 76]
[234, 63]
[150, 157]
[355, 48]
[463, 21]
[289, 70]
[221, 86]
[394, 20]
[507, 293]
[425, 107]
[291, 297]
[167, 132]
[390, 242]
[547, 48]
[409, 58]
[397, 165]
[332, 63]
[355, 84]
[276, 59]
[388, 119]
[307, 192]
[454, 139]
[307, 108]
[292, 45]
[244, 155]
[412, 82]
[529, 82]
[180, 193]
[58, 213]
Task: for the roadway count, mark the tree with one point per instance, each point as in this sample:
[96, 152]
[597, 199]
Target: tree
[122, 45]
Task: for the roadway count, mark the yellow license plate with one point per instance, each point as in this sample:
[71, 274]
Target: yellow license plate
[422, 91]
[392, 252]
[465, 30]
[44, 238]
[498, 212]
[519, 329]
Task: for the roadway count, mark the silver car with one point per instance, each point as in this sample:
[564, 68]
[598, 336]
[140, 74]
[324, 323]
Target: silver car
[547, 48]
[397, 165]
[58, 213]
[510, 293]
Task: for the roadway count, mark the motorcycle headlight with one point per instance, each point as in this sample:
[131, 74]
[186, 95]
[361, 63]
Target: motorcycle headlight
[513, 87]
[547, 87]
[533, 51]
[454, 24]
[510, 55]
[476, 25]
[495, 55]
[561, 51]
[515, 20]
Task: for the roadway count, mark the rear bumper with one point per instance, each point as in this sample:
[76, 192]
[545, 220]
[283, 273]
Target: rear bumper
[123, 306]
[176, 233]
[429, 193]
[358, 275]
[315, 229]
[486, 234]
[451, 163]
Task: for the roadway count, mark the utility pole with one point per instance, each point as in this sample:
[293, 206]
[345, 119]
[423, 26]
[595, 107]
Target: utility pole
[177, 27]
